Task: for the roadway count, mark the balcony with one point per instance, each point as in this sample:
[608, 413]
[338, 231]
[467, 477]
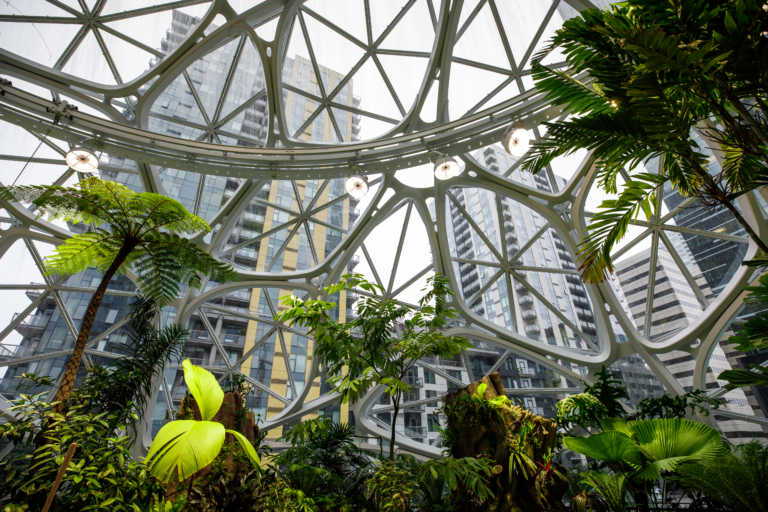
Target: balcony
[532, 330]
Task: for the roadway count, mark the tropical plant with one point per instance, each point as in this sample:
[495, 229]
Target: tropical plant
[611, 487]
[392, 487]
[644, 77]
[497, 401]
[583, 409]
[125, 387]
[751, 335]
[520, 462]
[736, 480]
[668, 406]
[324, 462]
[648, 448]
[447, 482]
[101, 474]
[381, 343]
[609, 390]
[130, 231]
[183, 447]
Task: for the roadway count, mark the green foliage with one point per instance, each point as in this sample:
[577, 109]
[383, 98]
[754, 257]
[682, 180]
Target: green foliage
[646, 449]
[383, 340]
[438, 485]
[736, 480]
[608, 389]
[610, 223]
[124, 388]
[667, 406]
[751, 335]
[392, 487]
[183, 447]
[146, 224]
[755, 376]
[520, 462]
[497, 401]
[610, 486]
[642, 76]
[324, 463]
[101, 476]
[582, 409]
[447, 481]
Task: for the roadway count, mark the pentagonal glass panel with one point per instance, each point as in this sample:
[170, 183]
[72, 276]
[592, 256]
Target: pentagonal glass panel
[516, 271]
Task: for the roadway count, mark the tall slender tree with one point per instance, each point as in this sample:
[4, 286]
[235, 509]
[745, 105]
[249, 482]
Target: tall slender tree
[652, 80]
[381, 343]
[128, 231]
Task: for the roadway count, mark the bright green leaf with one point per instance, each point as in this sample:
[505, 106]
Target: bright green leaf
[184, 447]
[204, 388]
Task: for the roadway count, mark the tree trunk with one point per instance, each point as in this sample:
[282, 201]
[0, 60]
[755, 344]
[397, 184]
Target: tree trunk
[718, 195]
[70, 371]
[741, 220]
[393, 434]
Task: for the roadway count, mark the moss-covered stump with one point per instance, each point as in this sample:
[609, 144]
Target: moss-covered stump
[519, 441]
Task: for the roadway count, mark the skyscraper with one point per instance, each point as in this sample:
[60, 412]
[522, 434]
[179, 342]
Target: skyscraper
[234, 332]
[675, 305]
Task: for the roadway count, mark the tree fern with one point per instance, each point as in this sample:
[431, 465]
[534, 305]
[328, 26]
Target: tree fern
[129, 231]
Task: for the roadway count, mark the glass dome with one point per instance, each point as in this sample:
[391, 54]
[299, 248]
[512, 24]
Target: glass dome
[253, 114]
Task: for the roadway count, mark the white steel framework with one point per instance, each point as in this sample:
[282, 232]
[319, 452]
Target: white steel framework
[113, 115]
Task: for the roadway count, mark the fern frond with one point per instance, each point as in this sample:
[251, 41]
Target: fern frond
[89, 249]
[156, 211]
[167, 261]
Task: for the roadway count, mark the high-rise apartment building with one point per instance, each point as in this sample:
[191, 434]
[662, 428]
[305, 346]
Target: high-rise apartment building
[514, 226]
[719, 257]
[239, 322]
[675, 305]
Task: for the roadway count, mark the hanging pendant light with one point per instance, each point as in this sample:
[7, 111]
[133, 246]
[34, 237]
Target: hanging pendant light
[356, 186]
[446, 168]
[81, 159]
[517, 140]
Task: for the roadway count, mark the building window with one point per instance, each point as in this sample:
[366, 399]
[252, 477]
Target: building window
[433, 423]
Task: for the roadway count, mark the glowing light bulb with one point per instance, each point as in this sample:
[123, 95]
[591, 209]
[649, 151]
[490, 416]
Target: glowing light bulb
[82, 160]
[517, 141]
[446, 168]
[356, 187]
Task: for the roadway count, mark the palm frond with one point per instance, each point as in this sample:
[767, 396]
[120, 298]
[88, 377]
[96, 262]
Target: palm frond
[610, 224]
[740, 377]
[610, 486]
[563, 89]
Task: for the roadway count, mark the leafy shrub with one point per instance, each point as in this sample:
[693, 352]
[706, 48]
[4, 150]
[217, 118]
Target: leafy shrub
[102, 475]
[324, 463]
